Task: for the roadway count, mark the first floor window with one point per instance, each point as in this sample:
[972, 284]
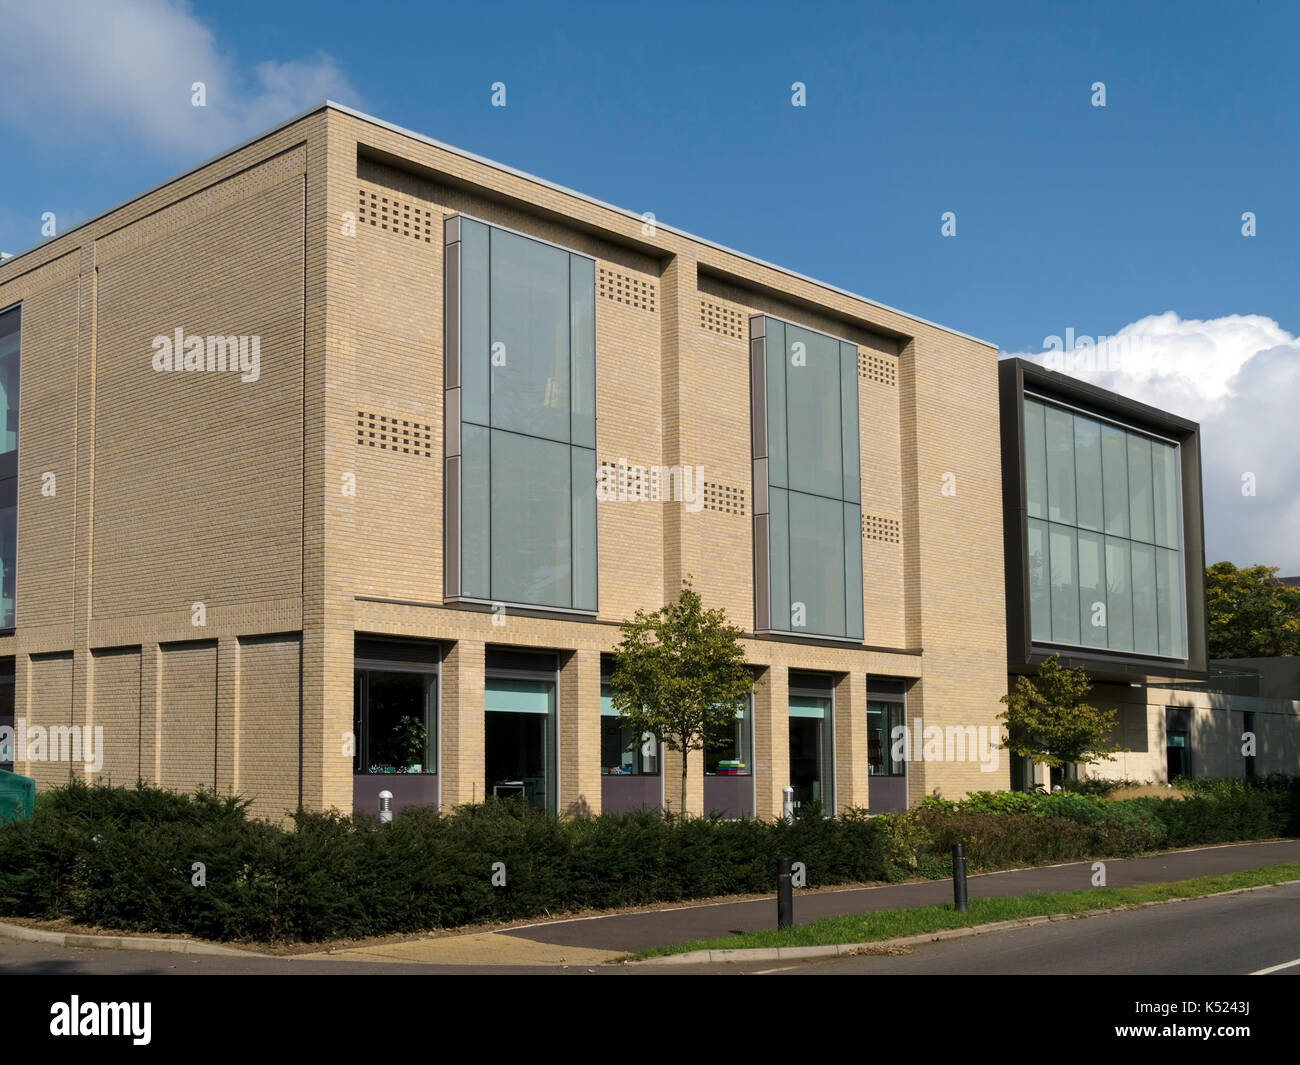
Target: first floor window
[394, 721]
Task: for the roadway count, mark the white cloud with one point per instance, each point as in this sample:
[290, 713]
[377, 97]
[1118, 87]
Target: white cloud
[1239, 376]
[122, 70]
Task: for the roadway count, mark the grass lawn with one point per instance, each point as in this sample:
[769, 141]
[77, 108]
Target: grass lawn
[888, 924]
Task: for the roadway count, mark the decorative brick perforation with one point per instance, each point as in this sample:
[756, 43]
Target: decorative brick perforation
[394, 434]
[726, 321]
[885, 530]
[399, 218]
[724, 498]
[623, 288]
[877, 368]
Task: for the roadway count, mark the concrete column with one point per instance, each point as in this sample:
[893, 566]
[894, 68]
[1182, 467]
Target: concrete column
[850, 726]
[463, 769]
[771, 740]
[578, 741]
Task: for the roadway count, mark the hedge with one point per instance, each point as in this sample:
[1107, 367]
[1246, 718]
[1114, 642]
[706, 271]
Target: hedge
[125, 858]
[1002, 830]
[133, 858]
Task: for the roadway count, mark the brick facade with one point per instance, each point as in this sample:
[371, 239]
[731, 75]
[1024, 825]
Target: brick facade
[307, 506]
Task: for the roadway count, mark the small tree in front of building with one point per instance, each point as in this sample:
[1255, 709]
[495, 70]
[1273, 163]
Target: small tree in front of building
[1049, 721]
[680, 676]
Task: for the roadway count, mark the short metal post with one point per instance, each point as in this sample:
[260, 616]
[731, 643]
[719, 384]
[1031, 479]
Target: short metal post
[784, 892]
[385, 806]
[787, 804]
[959, 877]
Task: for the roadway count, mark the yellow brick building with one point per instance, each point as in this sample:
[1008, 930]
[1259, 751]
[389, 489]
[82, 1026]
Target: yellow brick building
[340, 565]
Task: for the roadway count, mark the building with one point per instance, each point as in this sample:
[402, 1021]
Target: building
[1105, 566]
[343, 455]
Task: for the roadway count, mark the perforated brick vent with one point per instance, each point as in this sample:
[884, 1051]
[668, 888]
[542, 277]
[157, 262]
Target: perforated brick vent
[398, 217]
[884, 530]
[722, 320]
[877, 368]
[724, 498]
[623, 288]
[394, 434]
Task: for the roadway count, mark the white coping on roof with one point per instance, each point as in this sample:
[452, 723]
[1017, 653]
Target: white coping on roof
[330, 104]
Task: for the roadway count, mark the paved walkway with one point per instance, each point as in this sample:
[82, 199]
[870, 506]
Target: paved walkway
[592, 940]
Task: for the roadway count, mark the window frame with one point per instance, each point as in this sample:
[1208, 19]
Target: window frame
[9, 465]
[364, 664]
[551, 745]
[767, 503]
[453, 454]
[1126, 541]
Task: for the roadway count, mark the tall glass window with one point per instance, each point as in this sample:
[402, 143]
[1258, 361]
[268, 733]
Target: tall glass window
[812, 760]
[1105, 534]
[810, 750]
[809, 541]
[10, 342]
[521, 408]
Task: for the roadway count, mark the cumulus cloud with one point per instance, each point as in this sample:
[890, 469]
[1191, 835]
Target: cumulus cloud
[123, 70]
[1238, 376]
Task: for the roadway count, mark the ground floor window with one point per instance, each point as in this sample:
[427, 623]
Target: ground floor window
[622, 751]
[395, 721]
[7, 756]
[882, 719]
[1248, 725]
[1178, 742]
[811, 743]
[735, 757]
[1178, 754]
[519, 734]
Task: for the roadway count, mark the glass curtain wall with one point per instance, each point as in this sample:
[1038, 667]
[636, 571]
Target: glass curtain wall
[526, 328]
[1105, 534]
[10, 343]
[814, 481]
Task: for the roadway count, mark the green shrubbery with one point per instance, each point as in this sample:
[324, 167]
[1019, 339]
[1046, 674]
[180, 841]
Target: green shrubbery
[125, 858]
[1005, 829]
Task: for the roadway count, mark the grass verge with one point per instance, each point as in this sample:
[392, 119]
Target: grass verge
[889, 924]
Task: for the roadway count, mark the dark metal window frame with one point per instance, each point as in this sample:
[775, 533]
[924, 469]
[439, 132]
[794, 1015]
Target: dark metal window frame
[1024, 654]
[369, 658]
[452, 454]
[9, 463]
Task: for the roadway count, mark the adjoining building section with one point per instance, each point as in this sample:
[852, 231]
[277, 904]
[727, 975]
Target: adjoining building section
[1105, 566]
[343, 456]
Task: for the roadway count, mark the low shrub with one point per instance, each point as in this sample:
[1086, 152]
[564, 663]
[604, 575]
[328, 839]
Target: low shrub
[125, 858]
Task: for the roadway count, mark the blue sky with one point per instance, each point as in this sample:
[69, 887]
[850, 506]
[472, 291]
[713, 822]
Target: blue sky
[1069, 216]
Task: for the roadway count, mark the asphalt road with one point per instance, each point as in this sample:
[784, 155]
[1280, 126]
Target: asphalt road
[1232, 934]
[632, 932]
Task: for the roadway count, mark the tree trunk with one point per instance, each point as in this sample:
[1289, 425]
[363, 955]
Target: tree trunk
[686, 756]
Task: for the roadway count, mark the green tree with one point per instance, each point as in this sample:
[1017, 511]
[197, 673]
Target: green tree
[1047, 719]
[680, 675]
[1250, 613]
